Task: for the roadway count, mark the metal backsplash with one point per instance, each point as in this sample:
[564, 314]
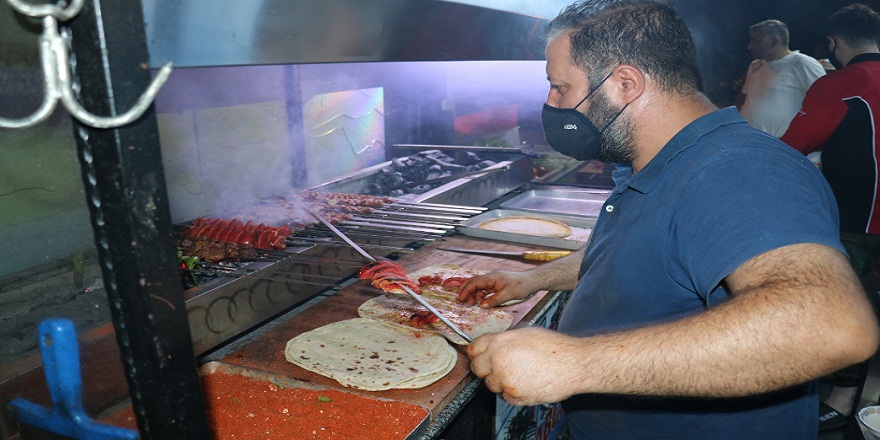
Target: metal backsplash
[232, 32]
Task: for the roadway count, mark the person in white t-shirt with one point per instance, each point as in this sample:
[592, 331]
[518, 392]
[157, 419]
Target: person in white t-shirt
[777, 80]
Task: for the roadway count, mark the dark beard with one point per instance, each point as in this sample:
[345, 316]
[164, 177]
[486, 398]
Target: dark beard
[617, 138]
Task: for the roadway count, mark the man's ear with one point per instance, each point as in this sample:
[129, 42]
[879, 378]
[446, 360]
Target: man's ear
[777, 42]
[629, 82]
[832, 43]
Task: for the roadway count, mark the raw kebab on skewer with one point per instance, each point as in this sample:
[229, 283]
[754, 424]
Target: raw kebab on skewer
[390, 277]
[235, 231]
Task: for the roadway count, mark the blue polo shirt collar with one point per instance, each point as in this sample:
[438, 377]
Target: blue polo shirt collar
[648, 177]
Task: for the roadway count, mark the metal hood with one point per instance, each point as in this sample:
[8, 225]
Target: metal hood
[234, 32]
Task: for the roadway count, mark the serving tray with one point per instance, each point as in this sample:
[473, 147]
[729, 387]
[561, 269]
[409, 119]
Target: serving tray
[581, 228]
[586, 203]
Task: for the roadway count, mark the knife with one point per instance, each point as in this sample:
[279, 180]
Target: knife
[525, 255]
[408, 291]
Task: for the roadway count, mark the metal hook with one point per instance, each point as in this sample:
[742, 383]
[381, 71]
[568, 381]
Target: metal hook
[39, 11]
[56, 71]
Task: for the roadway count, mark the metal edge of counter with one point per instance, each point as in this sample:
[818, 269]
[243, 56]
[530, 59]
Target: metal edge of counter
[444, 418]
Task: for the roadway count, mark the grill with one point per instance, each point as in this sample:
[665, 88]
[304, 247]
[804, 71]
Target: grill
[227, 297]
[242, 124]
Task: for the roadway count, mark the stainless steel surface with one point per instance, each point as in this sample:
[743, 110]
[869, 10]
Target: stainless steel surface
[311, 241]
[581, 228]
[379, 231]
[229, 32]
[439, 218]
[221, 309]
[480, 190]
[523, 150]
[581, 202]
[454, 177]
[525, 255]
[416, 224]
[409, 291]
[468, 193]
[356, 224]
[380, 234]
[342, 236]
[435, 207]
[294, 278]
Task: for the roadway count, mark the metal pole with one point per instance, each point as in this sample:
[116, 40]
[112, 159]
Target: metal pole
[125, 190]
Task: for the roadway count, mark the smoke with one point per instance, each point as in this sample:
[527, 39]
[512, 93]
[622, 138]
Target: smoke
[233, 136]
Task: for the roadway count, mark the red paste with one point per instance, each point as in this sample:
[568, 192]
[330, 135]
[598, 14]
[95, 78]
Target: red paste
[241, 408]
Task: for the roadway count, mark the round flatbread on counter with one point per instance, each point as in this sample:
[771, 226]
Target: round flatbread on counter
[370, 355]
[473, 320]
[528, 225]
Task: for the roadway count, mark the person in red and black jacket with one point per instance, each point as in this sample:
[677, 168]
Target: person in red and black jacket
[840, 117]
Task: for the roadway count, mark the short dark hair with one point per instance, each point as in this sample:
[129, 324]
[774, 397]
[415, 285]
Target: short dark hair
[648, 34]
[573, 16]
[773, 28]
[855, 24]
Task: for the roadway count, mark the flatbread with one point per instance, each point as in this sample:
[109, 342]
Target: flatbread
[447, 270]
[527, 225]
[370, 355]
[444, 271]
[473, 320]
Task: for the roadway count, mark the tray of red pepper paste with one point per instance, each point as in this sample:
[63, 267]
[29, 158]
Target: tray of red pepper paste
[242, 403]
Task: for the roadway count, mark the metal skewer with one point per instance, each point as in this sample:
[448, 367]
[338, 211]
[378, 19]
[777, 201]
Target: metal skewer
[409, 291]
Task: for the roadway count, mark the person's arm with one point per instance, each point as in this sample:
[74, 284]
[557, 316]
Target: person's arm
[498, 287]
[816, 121]
[745, 83]
[797, 313]
[810, 72]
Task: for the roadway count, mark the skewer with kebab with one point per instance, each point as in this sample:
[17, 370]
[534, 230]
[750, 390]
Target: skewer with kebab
[336, 206]
[391, 277]
[390, 269]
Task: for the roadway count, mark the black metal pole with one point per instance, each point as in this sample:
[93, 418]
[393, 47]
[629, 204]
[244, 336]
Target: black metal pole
[127, 197]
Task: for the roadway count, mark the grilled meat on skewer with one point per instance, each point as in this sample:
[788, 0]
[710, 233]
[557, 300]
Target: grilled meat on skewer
[213, 250]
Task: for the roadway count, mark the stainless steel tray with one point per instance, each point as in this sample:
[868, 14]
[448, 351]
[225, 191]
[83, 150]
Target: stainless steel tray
[286, 382]
[474, 190]
[581, 228]
[585, 203]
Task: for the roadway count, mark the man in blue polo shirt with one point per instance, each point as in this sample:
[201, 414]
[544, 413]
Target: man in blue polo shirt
[701, 306]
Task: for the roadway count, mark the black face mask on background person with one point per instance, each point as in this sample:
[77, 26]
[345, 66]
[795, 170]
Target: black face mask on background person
[571, 133]
[832, 58]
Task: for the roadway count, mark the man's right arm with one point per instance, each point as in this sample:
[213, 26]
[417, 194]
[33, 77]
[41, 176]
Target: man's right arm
[816, 121]
[498, 287]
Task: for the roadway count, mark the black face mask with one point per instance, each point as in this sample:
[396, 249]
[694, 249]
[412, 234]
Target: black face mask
[834, 61]
[571, 133]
